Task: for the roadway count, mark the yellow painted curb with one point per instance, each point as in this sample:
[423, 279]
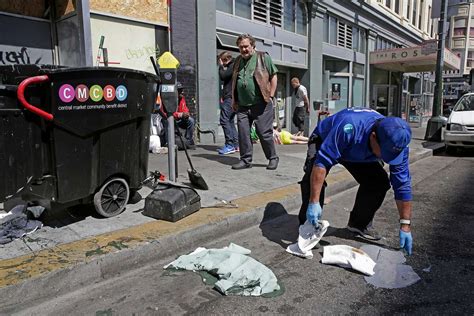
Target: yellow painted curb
[16, 270]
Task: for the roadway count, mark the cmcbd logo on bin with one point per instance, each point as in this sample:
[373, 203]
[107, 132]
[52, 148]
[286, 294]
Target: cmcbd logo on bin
[94, 97]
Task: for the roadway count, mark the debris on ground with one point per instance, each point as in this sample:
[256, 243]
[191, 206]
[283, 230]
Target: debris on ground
[349, 257]
[236, 272]
[19, 222]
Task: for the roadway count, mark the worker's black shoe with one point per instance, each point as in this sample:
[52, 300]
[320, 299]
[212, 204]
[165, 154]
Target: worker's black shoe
[241, 165]
[273, 163]
[367, 233]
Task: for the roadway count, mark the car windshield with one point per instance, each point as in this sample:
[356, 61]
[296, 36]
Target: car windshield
[465, 104]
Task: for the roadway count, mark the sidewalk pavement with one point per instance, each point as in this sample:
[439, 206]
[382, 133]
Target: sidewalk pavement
[76, 247]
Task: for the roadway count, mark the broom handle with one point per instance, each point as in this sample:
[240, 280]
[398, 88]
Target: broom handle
[184, 145]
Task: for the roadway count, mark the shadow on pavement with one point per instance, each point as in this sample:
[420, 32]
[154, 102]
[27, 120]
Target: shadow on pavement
[212, 148]
[279, 226]
[344, 233]
[225, 160]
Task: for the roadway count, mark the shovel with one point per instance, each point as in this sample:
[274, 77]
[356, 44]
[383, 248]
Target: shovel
[195, 177]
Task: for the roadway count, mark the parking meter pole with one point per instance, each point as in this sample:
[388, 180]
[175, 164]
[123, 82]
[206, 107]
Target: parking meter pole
[169, 96]
[171, 152]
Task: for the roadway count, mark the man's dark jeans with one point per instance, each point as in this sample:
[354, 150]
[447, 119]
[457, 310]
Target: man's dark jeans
[227, 122]
[188, 125]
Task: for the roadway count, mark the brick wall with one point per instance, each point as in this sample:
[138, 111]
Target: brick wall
[184, 47]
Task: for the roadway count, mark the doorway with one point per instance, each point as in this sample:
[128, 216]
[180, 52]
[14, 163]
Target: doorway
[383, 96]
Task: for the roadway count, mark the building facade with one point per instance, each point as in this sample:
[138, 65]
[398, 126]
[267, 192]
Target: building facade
[328, 44]
[460, 39]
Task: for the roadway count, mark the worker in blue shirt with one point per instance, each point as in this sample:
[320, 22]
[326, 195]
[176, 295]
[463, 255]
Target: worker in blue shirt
[360, 139]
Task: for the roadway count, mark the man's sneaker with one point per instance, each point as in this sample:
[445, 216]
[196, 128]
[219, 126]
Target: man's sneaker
[295, 250]
[227, 149]
[367, 233]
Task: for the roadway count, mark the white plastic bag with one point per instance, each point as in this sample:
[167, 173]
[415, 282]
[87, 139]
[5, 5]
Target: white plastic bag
[348, 257]
[155, 144]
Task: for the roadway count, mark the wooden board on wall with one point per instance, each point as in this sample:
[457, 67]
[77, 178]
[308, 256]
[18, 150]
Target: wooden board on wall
[155, 11]
[35, 8]
[64, 7]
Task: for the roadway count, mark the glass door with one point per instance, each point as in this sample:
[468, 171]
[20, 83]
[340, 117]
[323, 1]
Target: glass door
[383, 97]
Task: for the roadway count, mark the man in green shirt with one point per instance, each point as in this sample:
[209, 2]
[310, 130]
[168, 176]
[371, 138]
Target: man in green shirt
[254, 82]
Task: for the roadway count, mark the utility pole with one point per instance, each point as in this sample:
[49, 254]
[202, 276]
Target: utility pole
[435, 123]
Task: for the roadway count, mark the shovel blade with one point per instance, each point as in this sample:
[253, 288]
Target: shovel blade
[197, 180]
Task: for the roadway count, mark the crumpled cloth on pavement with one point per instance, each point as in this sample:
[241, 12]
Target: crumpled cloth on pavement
[348, 257]
[16, 223]
[308, 238]
[391, 272]
[238, 273]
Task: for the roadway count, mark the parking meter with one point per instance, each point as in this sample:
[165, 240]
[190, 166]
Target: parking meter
[169, 97]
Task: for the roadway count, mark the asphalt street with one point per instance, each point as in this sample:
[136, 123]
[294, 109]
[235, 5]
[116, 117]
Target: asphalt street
[443, 258]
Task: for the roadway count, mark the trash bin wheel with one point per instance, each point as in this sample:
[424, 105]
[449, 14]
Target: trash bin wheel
[112, 197]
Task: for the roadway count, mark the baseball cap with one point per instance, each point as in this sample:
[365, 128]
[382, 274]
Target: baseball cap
[393, 135]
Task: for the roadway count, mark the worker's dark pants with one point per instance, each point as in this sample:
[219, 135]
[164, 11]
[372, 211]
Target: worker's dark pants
[373, 186]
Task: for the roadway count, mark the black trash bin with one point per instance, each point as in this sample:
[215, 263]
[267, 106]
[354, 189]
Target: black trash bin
[94, 130]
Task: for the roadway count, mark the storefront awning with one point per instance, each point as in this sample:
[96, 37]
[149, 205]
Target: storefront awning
[413, 59]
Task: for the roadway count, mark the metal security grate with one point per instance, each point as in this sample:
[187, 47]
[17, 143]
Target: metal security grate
[260, 10]
[276, 12]
[344, 35]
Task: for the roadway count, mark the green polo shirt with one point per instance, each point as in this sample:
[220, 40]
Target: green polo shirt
[247, 88]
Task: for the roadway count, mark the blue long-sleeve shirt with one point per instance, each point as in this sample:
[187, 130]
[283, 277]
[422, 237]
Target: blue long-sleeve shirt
[345, 137]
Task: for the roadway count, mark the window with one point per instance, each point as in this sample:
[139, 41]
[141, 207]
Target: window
[413, 17]
[428, 19]
[326, 29]
[397, 6]
[289, 12]
[408, 9]
[362, 42]
[332, 30]
[355, 38]
[358, 69]
[243, 8]
[337, 65]
[459, 31]
[388, 3]
[301, 19]
[225, 6]
[420, 15]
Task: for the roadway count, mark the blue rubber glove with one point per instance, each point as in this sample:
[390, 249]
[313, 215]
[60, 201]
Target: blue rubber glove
[406, 241]
[313, 213]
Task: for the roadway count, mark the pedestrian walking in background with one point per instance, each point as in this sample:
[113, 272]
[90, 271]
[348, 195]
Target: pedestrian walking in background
[300, 103]
[254, 82]
[227, 114]
[360, 139]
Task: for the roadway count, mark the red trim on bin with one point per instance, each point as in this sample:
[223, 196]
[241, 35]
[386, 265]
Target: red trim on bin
[21, 96]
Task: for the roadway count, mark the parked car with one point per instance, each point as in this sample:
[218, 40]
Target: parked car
[459, 131]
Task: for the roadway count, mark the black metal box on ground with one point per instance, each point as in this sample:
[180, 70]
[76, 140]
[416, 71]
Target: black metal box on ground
[171, 202]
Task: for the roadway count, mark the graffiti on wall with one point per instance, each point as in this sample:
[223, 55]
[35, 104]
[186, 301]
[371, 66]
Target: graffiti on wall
[16, 57]
[143, 52]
